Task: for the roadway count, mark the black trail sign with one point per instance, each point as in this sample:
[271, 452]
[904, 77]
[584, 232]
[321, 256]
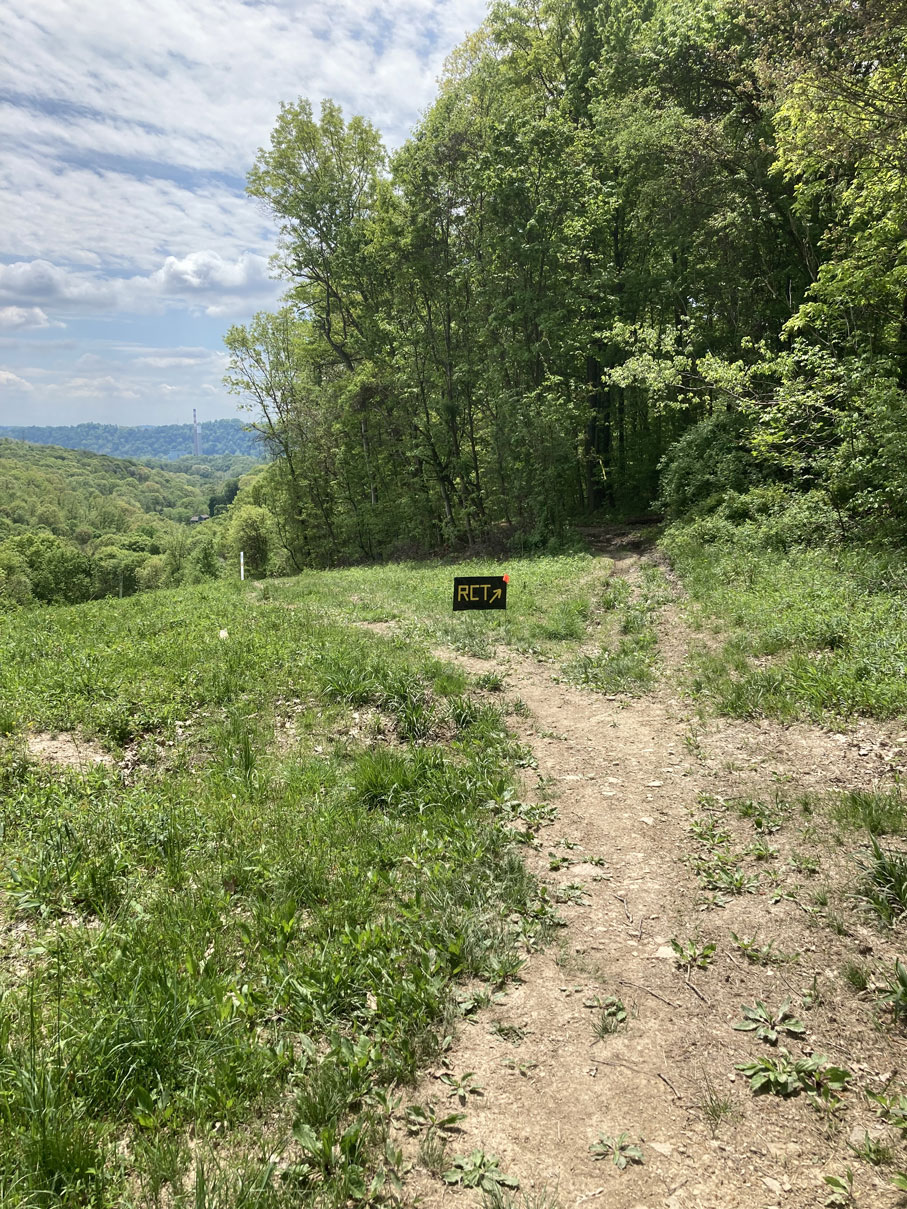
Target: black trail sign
[480, 592]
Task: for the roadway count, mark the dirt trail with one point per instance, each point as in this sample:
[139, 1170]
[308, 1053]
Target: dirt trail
[626, 774]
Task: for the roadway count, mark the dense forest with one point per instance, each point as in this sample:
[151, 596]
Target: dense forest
[75, 526]
[637, 252]
[163, 441]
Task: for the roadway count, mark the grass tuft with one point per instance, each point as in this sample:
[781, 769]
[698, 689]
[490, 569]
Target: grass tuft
[884, 886]
[878, 811]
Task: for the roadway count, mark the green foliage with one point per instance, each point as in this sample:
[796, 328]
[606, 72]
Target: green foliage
[884, 885]
[856, 975]
[225, 923]
[626, 661]
[462, 1087]
[511, 321]
[624, 668]
[252, 532]
[610, 1015]
[619, 240]
[91, 492]
[711, 460]
[691, 954]
[478, 1170]
[756, 954]
[841, 1194]
[620, 1150]
[57, 572]
[892, 1108]
[895, 996]
[878, 811]
[421, 1117]
[114, 528]
[768, 1025]
[811, 633]
[872, 1150]
[716, 1107]
[784, 1076]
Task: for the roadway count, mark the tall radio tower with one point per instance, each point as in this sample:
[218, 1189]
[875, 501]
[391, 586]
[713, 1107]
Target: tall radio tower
[196, 444]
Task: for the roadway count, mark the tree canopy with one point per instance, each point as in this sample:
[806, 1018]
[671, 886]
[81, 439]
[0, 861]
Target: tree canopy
[619, 219]
[75, 525]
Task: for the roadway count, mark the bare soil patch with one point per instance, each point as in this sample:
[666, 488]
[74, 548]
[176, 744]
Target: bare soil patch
[67, 750]
[629, 777]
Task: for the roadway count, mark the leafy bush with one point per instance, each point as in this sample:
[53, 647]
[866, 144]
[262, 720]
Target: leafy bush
[57, 571]
[711, 459]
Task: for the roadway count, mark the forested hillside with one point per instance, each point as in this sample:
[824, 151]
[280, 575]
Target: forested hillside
[75, 526]
[618, 223]
[164, 441]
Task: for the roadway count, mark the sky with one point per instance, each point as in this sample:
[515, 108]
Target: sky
[127, 244]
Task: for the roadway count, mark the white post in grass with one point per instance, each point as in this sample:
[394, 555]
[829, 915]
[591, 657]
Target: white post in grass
[242, 565]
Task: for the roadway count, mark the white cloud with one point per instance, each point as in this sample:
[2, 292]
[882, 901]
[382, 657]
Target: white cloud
[207, 273]
[119, 104]
[198, 82]
[96, 388]
[123, 150]
[50, 284]
[201, 279]
[181, 358]
[9, 379]
[117, 221]
[25, 317]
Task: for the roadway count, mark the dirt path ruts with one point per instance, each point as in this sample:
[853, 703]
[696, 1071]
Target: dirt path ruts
[628, 772]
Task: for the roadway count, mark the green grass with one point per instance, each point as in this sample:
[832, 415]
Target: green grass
[625, 661]
[554, 604]
[884, 885]
[241, 942]
[810, 633]
[879, 811]
[550, 601]
[626, 668]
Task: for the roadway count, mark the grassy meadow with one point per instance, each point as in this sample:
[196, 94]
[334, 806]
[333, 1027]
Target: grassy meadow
[224, 953]
[227, 952]
[567, 609]
[810, 633]
[550, 601]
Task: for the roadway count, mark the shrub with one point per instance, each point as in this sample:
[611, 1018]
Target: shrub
[58, 572]
[711, 459]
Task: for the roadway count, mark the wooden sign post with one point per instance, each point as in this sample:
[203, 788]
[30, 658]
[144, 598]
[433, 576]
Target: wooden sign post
[480, 592]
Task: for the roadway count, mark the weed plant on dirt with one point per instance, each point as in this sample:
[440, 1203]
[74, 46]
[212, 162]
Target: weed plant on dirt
[809, 633]
[220, 954]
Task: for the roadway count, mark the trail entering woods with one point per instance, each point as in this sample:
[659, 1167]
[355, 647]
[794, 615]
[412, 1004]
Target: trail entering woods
[628, 777]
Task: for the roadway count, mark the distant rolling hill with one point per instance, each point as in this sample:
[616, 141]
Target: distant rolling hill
[76, 525]
[165, 441]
